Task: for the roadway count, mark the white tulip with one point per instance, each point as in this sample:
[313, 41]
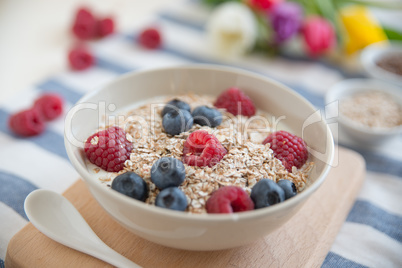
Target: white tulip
[232, 29]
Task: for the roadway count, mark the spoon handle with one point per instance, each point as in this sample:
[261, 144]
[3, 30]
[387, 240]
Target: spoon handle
[105, 253]
[92, 245]
[57, 218]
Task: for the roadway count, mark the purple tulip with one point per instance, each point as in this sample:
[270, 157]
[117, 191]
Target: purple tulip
[286, 19]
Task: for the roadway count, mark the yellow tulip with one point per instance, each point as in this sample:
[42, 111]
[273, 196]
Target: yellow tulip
[361, 28]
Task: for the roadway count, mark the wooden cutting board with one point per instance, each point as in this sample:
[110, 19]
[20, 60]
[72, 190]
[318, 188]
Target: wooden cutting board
[304, 241]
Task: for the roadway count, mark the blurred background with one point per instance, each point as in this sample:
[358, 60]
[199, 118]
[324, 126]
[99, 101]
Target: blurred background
[36, 35]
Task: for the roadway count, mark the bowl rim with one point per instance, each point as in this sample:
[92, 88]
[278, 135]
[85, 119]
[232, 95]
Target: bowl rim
[371, 53]
[359, 85]
[180, 215]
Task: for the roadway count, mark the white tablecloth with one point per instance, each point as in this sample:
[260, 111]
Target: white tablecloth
[372, 233]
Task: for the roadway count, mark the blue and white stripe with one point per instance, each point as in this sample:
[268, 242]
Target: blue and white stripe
[372, 233]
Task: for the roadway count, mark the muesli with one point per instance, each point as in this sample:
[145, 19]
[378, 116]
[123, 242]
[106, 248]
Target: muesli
[246, 160]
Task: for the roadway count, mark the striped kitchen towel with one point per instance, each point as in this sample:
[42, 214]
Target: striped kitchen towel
[372, 233]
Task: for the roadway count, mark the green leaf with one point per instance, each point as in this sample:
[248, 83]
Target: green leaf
[329, 10]
[218, 2]
[394, 5]
[264, 33]
[308, 6]
[393, 34]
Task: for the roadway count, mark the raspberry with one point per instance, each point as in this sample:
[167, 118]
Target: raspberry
[84, 26]
[104, 27]
[49, 106]
[229, 199]
[290, 149]
[202, 149]
[150, 38]
[108, 149]
[27, 123]
[80, 58]
[235, 102]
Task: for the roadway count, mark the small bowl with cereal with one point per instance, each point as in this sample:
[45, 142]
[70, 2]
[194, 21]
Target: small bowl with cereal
[383, 60]
[198, 157]
[370, 110]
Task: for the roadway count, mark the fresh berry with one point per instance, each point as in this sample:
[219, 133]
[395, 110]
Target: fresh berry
[108, 149]
[50, 106]
[171, 198]
[80, 58]
[288, 187]
[176, 122]
[167, 172]
[175, 105]
[229, 199]
[84, 26]
[206, 116]
[202, 149]
[266, 193]
[235, 102]
[104, 27]
[132, 185]
[150, 38]
[27, 123]
[290, 149]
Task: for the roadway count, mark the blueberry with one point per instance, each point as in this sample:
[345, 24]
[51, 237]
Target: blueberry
[132, 185]
[175, 105]
[206, 116]
[167, 172]
[171, 198]
[288, 187]
[176, 122]
[266, 193]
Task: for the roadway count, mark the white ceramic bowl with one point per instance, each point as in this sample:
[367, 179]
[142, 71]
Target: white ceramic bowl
[373, 53]
[363, 135]
[202, 231]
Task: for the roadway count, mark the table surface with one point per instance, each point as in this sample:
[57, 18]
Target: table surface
[281, 248]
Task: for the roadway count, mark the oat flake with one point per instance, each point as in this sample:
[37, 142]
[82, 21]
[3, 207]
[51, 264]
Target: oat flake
[246, 162]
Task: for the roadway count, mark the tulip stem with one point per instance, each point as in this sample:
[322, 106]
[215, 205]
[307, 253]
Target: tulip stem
[379, 4]
[329, 10]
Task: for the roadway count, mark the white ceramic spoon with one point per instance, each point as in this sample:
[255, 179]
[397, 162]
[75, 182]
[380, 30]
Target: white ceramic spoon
[58, 219]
